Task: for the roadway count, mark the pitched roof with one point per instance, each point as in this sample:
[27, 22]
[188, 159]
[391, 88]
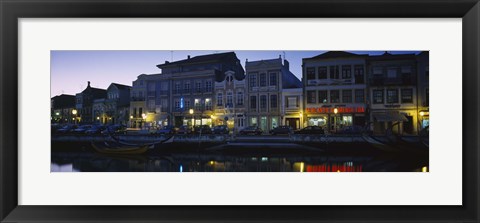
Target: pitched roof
[389, 56]
[269, 62]
[121, 86]
[228, 56]
[335, 54]
[63, 101]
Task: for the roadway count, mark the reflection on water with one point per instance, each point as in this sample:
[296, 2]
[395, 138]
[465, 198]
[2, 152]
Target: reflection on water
[92, 162]
[243, 157]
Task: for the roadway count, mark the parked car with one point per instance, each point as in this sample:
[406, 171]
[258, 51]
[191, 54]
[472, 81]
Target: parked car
[66, 129]
[202, 129]
[81, 129]
[311, 130]
[184, 129]
[352, 130]
[283, 129]
[220, 129]
[96, 129]
[167, 130]
[115, 129]
[251, 130]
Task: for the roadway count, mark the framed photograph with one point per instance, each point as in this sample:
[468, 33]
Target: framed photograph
[239, 111]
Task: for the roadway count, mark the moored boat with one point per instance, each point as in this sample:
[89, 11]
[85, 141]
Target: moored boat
[110, 149]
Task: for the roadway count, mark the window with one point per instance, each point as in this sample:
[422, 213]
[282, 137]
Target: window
[151, 105]
[263, 102]
[347, 96]
[377, 96]
[219, 99]
[140, 94]
[208, 86]
[198, 86]
[229, 79]
[253, 121]
[311, 97]
[187, 86]
[253, 80]
[406, 74]
[311, 73]
[273, 79]
[359, 96]
[392, 73]
[208, 104]
[177, 87]
[346, 71]
[197, 104]
[359, 74]
[407, 95]
[322, 72]
[263, 80]
[292, 102]
[334, 96]
[322, 96]
[151, 86]
[334, 72]
[392, 96]
[240, 98]
[187, 103]
[177, 103]
[229, 99]
[253, 102]
[273, 101]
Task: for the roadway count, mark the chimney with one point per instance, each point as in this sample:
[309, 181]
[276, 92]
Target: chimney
[188, 57]
[88, 83]
[246, 60]
[166, 62]
[280, 56]
[286, 64]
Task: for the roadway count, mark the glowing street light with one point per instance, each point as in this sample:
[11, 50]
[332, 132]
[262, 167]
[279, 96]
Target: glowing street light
[190, 111]
[335, 110]
[74, 112]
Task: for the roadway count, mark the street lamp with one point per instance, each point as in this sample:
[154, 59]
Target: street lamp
[335, 110]
[190, 111]
[74, 112]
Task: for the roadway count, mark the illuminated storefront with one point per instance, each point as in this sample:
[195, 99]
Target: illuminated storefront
[335, 118]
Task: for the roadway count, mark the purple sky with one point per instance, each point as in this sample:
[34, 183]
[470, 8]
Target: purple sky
[70, 70]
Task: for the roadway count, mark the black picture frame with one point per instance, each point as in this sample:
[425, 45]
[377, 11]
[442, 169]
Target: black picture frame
[12, 10]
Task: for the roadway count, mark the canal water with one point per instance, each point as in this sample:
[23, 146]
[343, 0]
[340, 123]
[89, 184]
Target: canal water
[251, 157]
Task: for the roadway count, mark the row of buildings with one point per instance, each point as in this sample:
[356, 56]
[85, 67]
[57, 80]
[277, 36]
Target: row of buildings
[338, 89]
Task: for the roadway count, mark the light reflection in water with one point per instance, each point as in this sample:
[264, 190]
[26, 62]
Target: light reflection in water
[206, 163]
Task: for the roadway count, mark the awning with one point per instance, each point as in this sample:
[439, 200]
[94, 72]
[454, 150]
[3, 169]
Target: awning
[390, 117]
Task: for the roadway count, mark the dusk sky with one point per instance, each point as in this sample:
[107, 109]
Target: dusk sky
[70, 70]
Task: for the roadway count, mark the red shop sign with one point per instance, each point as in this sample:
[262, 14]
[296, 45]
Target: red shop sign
[339, 110]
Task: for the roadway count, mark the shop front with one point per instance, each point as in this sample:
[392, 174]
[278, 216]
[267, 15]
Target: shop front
[334, 119]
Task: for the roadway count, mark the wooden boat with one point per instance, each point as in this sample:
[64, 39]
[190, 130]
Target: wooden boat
[125, 143]
[110, 149]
